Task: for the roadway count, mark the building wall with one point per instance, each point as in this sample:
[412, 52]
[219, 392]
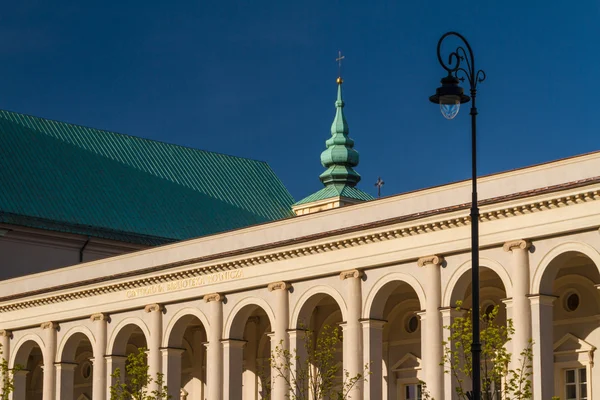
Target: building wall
[28, 251]
[230, 299]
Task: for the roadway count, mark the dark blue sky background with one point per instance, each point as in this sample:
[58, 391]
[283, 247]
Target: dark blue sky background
[257, 79]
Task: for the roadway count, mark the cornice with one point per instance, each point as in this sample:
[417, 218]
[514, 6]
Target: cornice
[334, 245]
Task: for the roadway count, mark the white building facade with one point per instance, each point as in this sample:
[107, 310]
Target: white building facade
[389, 271]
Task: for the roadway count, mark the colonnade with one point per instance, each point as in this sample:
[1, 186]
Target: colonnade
[362, 339]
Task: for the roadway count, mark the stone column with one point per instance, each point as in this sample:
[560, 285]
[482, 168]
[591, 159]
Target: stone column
[233, 355]
[298, 345]
[431, 329]
[49, 354]
[450, 383]
[353, 351]
[65, 380]
[172, 370]
[543, 345]
[99, 322]
[280, 293]
[5, 337]
[214, 352]
[20, 384]
[112, 363]
[154, 342]
[521, 312]
[373, 354]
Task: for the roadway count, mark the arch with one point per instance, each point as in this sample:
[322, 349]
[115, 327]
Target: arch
[311, 293]
[70, 336]
[23, 347]
[235, 314]
[543, 276]
[127, 325]
[386, 279]
[466, 266]
[178, 323]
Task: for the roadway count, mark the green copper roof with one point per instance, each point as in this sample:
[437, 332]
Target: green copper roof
[69, 178]
[340, 149]
[339, 158]
[336, 190]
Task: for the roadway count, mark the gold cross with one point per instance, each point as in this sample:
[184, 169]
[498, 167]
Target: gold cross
[339, 61]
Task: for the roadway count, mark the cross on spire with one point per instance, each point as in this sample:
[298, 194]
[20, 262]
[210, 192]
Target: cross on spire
[379, 184]
[339, 59]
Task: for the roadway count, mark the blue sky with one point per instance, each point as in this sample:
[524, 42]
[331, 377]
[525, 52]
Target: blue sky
[257, 79]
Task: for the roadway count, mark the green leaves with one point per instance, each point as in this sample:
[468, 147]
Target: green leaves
[313, 371]
[137, 379]
[7, 378]
[498, 380]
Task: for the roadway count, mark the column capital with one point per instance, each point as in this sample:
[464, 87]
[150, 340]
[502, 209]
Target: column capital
[99, 317]
[279, 286]
[351, 273]
[430, 260]
[68, 366]
[49, 325]
[213, 297]
[5, 333]
[508, 302]
[517, 244]
[543, 299]
[234, 343]
[371, 323]
[172, 351]
[153, 308]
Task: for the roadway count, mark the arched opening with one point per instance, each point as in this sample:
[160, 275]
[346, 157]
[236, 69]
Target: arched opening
[248, 350]
[129, 339]
[569, 322]
[186, 358]
[320, 316]
[29, 382]
[400, 341]
[492, 293]
[76, 368]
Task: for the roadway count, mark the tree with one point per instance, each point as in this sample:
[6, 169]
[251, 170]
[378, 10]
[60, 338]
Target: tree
[315, 376]
[7, 379]
[137, 379]
[498, 380]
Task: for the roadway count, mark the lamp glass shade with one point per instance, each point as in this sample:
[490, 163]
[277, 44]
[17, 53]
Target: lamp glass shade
[449, 106]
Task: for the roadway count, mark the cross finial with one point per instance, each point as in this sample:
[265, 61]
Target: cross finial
[339, 59]
[379, 184]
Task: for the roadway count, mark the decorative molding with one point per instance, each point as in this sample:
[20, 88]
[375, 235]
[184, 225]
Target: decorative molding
[430, 260]
[49, 325]
[5, 333]
[352, 273]
[213, 297]
[153, 308]
[99, 317]
[517, 244]
[278, 286]
[360, 240]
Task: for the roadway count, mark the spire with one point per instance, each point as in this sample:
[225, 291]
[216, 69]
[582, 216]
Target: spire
[340, 157]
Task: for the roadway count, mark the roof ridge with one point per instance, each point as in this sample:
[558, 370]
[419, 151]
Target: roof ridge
[132, 136]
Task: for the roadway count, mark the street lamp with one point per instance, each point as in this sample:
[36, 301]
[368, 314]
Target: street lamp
[450, 96]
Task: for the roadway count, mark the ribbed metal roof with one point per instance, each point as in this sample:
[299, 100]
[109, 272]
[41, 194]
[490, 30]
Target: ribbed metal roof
[88, 181]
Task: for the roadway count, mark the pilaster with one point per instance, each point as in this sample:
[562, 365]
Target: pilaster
[49, 333]
[543, 346]
[214, 351]
[280, 293]
[154, 357]
[352, 343]
[233, 354]
[99, 323]
[431, 327]
[373, 354]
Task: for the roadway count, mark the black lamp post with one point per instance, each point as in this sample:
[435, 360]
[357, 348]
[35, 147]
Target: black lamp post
[450, 96]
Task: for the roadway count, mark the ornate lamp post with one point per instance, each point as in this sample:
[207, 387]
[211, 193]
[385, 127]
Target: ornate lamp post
[450, 96]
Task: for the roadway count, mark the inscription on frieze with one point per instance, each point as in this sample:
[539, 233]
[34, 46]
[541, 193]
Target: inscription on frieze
[182, 284]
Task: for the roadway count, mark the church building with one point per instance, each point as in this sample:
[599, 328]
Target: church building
[111, 243]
